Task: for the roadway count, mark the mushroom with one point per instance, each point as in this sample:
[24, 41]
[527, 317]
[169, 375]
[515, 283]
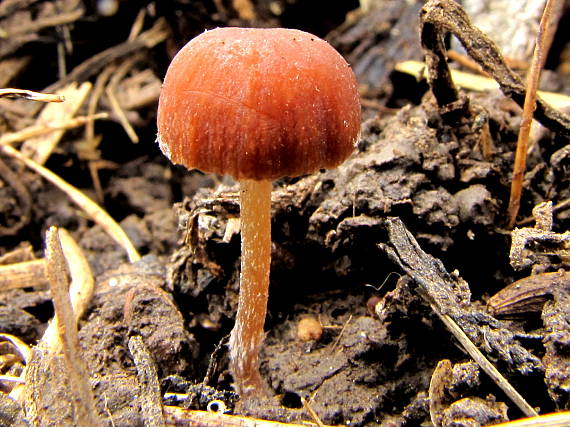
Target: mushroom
[257, 104]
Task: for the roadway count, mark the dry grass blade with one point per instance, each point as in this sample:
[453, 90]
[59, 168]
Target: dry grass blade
[311, 411]
[538, 58]
[23, 349]
[31, 95]
[23, 275]
[80, 290]
[484, 363]
[84, 403]
[95, 212]
[112, 89]
[49, 21]
[41, 147]
[476, 82]
[38, 130]
[446, 294]
[25, 353]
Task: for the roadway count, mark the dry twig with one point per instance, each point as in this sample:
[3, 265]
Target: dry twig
[40, 148]
[538, 58]
[23, 275]
[31, 95]
[447, 296]
[38, 130]
[439, 17]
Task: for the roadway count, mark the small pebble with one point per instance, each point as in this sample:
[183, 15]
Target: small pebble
[309, 329]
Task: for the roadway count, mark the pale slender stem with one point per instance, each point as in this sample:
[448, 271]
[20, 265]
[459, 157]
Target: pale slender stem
[247, 335]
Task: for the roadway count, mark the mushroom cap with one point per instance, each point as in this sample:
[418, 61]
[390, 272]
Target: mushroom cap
[258, 104]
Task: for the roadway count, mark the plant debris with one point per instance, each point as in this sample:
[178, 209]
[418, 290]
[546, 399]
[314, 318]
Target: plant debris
[393, 256]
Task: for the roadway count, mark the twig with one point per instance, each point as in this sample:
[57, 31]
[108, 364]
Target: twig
[96, 94]
[95, 212]
[37, 130]
[137, 25]
[31, 95]
[25, 274]
[446, 294]
[335, 344]
[483, 362]
[311, 412]
[40, 148]
[84, 402]
[439, 17]
[537, 62]
[110, 91]
[49, 21]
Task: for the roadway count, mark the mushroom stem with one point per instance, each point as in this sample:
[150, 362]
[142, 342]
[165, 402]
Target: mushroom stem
[247, 335]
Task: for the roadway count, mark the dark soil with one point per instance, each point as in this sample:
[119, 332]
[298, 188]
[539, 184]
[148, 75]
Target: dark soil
[340, 256]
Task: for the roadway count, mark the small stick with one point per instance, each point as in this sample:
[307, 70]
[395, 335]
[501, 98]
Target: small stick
[311, 412]
[49, 21]
[335, 344]
[111, 90]
[537, 62]
[484, 363]
[23, 275]
[35, 130]
[137, 26]
[96, 94]
[31, 95]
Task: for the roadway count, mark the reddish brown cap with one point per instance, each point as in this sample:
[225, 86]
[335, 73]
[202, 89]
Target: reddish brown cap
[258, 104]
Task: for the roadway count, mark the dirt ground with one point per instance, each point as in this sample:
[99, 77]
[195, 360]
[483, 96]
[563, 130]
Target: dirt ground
[407, 236]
